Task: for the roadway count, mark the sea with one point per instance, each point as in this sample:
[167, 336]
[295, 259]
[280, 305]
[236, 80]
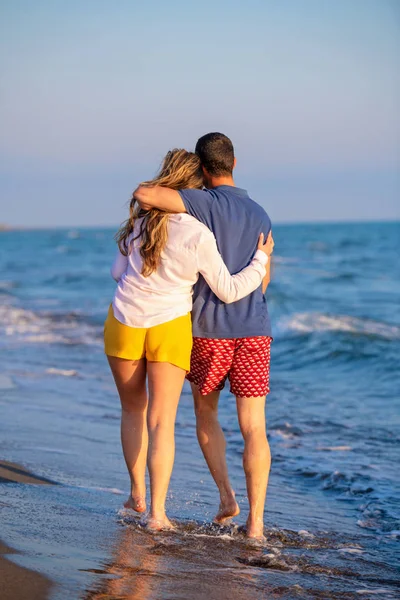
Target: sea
[332, 518]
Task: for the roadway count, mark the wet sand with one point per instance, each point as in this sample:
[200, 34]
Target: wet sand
[17, 582]
[77, 536]
[14, 473]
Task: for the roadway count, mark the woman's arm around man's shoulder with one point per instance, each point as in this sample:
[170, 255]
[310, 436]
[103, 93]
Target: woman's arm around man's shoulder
[159, 197]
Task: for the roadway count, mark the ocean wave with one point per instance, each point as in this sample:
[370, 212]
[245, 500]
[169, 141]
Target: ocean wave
[319, 246]
[46, 328]
[387, 593]
[7, 285]
[73, 234]
[8, 290]
[319, 322]
[107, 490]
[62, 372]
[353, 485]
[334, 448]
[376, 516]
[285, 260]
[351, 550]
[6, 383]
[285, 431]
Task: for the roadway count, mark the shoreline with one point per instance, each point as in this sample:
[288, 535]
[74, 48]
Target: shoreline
[11, 472]
[19, 583]
[16, 582]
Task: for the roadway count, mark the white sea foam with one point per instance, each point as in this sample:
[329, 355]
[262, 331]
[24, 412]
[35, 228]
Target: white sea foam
[351, 550]
[63, 372]
[128, 517]
[286, 435]
[52, 450]
[6, 383]
[40, 328]
[376, 591]
[115, 491]
[335, 448]
[285, 260]
[306, 534]
[221, 536]
[395, 533]
[311, 322]
[367, 524]
[107, 490]
[7, 285]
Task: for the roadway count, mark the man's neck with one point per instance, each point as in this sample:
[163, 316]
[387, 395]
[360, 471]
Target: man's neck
[214, 182]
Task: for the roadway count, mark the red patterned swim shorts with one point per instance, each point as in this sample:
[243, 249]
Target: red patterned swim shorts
[245, 361]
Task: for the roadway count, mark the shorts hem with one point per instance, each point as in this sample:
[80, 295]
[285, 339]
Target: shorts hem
[184, 367]
[205, 389]
[160, 359]
[237, 395]
[121, 355]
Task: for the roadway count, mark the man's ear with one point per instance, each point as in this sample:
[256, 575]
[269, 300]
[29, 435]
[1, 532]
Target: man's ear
[234, 163]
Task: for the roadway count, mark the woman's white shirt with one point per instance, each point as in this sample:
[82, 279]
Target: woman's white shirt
[167, 293]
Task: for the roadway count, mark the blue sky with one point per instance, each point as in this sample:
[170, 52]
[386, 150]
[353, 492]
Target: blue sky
[93, 93]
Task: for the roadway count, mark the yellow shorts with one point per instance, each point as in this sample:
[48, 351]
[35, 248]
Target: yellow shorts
[169, 342]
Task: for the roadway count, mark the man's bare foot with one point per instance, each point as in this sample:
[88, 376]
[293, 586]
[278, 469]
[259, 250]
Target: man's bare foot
[161, 523]
[255, 530]
[136, 503]
[228, 509]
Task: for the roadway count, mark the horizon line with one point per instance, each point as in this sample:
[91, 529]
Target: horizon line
[4, 227]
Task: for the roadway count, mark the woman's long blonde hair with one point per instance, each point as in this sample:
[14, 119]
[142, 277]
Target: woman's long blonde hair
[180, 169]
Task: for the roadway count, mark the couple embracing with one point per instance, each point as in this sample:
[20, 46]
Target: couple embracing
[178, 311]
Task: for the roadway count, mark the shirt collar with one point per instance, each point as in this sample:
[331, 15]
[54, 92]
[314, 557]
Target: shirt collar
[231, 188]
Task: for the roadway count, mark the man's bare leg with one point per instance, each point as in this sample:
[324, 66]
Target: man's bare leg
[213, 445]
[256, 460]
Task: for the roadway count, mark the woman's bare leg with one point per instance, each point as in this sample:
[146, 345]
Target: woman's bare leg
[165, 386]
[130, 379]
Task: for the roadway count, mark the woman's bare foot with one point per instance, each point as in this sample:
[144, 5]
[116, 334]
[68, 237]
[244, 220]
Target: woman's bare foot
[136, 503]
[159, 523]
[228, 508]
[255, 529]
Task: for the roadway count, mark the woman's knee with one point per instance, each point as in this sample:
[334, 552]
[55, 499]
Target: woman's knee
[134, 402]
[160, 422]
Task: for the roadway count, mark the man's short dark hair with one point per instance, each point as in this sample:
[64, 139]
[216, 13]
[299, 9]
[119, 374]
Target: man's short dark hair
[215, 151]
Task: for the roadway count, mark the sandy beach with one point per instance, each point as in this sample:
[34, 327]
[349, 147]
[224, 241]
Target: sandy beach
[18, 583]
[13, 473]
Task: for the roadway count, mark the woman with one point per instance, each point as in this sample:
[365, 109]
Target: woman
[148, 329]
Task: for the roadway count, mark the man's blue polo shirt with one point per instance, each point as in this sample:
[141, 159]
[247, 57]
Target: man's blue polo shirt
[236, 222]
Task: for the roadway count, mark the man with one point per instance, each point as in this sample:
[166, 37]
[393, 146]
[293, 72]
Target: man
[230, 341]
